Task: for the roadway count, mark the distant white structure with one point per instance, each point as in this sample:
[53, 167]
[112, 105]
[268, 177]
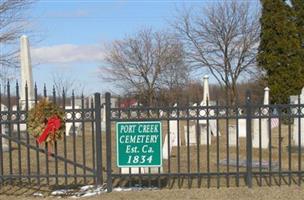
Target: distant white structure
[4, 131]
[296, 131]
[264, 126]
[26, 79]
[103, 118]
[242, 127]
[173, 136]
[26, 73]
[143, 170]
[232, 135]
[69, 125]
[211, 125]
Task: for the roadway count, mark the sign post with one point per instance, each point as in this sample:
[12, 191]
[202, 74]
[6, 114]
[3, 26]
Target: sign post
[139, 144]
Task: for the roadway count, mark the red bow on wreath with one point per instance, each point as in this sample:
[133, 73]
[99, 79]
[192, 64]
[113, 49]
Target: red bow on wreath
[52, 126]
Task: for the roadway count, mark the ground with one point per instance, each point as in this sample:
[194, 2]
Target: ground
[279, 193]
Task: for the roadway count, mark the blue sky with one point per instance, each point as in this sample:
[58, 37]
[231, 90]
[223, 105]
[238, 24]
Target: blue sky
[69, 35]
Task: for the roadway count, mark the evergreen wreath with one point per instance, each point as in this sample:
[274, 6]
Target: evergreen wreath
[38, 118]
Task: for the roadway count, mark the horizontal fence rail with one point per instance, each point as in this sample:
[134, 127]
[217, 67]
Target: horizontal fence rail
[69, 161]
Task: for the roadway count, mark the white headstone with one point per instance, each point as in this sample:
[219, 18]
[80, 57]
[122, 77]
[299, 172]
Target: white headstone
[173, 136]
[242, 127]
[103, 118]
[264, 126]
[232, 135]
[203, 137]
[126, 170]
[173, 132]
[26, 73]
[166, 151]
[161, 113]
[22, 126]
[192, 135]
[296, 131]
[173, 142]
[173, 127]
[143, 170]
[4, 131]
[69, 125]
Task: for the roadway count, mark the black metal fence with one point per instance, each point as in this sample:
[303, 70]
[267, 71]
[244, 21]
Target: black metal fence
[215, 146]
[204, 146]
[76, 159]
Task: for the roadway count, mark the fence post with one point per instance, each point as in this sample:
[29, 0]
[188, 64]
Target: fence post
[98, 138]
[108, 142]
[248, 140]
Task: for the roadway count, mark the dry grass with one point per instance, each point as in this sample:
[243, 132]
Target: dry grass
[179, 158]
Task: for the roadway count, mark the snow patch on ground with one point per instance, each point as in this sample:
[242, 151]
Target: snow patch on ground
[92, 190]
[38, 194]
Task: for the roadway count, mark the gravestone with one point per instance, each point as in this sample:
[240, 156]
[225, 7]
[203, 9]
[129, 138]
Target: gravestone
[103, 118]
[192, 135]
[264, 126]
[232, 135]
[211, 123]
[203, 136]
[4, 131]
[242, 127]
[192, 128]
[26, 80]
[132, 170]
[69, 125]
[206, 98]
[22, 126]
[143, 170]
[173, 126]
[166, 151]
[26, 74]
[296, 124]
[173, 133]
[173, 136]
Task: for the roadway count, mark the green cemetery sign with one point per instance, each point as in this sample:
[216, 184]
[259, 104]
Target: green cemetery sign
[139, 144]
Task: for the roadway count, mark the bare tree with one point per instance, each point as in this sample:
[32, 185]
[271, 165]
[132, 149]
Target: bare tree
[142, 63]
[222, 38]
[67, 84]
[13, 24]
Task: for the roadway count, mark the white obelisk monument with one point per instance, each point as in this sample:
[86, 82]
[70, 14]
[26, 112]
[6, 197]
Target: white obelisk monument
[264, 140]
[206, 91]
[26, 73]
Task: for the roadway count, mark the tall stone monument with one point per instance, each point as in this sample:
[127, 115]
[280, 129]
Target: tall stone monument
[206, 96]
[264, 126]
[26, 73]
[205, 126]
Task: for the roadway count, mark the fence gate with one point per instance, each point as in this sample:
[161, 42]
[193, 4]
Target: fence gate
[75, 159]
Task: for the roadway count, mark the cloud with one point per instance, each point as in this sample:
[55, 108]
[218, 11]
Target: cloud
[66, 54]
